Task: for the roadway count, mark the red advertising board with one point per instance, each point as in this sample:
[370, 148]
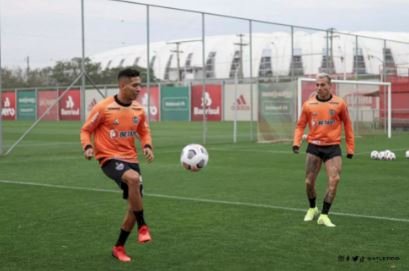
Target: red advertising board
[210, 103]
[8, 105]
[69, 105]
[153, 101]
[46, 98]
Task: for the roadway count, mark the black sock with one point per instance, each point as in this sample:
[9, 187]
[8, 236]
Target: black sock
[325, 208]
[139, 218]
[123, 236]
[312, 202]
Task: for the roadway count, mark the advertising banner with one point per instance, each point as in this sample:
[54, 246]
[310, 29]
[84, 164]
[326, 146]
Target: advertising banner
[26, 104]
[209, 104]
[69, 105]
[276, 111]
[92, 97]
[153, 101]
[175, 103]
[8, 105]
[46, 98]
[237, 101]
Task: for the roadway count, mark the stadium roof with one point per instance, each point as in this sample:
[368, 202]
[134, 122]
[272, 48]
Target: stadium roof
[271, 53]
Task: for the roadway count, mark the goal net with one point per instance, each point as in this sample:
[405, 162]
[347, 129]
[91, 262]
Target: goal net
[280, 103]
[369, 103]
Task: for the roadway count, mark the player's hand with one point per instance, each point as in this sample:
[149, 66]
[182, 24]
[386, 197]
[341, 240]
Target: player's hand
[89, 153]
[296, 149]
[350, 155]
[148, 153]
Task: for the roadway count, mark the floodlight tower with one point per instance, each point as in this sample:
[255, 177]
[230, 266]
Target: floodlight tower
[177, 51]
[241, 44]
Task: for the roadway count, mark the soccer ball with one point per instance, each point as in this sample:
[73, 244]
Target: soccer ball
[194, 157]
[381, 155]
[389, 155]
[374, 155]
[393, 156]
[407, 154]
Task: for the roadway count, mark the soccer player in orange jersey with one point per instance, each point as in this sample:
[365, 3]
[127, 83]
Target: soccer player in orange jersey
[109, 134]
[324, 113]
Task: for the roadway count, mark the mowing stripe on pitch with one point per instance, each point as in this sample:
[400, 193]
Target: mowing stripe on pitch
[237, 203]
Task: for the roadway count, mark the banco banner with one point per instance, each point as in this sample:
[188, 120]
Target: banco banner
[175, 103]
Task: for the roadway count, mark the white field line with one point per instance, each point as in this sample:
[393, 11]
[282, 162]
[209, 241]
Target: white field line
[236, 203]
[242, 149]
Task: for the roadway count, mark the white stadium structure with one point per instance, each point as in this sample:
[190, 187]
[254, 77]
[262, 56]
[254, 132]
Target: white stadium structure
[271, 54]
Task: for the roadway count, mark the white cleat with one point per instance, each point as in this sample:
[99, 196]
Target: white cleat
[311, 213]
[324, 220]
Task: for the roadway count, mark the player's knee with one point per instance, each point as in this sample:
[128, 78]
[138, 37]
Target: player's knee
[309, 181]
[133, 179]
[334, 179]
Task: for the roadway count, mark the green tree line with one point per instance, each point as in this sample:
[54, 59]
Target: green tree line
[63, 73]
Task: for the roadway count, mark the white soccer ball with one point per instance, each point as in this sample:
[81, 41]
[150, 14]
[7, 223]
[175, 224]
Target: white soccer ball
[381, 155]
[407, 154]
[388, 155]
[393, 156]
[374, 155]
[194, 157]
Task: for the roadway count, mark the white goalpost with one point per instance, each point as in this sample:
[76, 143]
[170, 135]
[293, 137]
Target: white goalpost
[366, 100]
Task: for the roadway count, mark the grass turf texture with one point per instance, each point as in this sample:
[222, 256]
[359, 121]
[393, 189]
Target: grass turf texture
[244, 211]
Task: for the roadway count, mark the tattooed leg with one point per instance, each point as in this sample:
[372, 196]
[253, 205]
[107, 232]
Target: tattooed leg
[312, 168]
[333, 167]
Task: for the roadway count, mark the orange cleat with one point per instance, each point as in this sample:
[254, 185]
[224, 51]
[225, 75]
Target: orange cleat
[119, 253]
[143, 235]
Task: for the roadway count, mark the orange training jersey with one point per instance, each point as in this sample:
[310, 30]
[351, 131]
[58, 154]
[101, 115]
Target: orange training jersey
[324, 120]
[114, 128]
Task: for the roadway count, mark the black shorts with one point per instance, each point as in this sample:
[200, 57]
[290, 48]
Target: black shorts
[114, 169]
[324, 152]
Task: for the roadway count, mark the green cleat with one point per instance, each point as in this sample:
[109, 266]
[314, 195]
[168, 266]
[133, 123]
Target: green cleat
[311, 213]
[324, 220]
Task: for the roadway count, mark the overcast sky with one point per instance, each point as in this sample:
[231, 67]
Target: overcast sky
[45, 31]
[350, 15]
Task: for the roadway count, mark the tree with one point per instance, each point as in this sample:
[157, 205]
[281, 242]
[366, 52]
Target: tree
[62, 74]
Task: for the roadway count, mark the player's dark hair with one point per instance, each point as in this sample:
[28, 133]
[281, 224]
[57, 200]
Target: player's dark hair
[128, 72]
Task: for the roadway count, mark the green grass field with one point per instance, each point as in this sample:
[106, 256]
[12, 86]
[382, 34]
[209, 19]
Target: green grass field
[244, 211]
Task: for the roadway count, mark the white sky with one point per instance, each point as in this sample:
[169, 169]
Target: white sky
[351, 15]
[50, 30]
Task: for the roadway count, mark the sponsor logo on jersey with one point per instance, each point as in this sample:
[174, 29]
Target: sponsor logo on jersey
[113, 134]
[326, 122]
[116, 122]
[119, 166]
[127, 134]
[135, 120]
[332, 112]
